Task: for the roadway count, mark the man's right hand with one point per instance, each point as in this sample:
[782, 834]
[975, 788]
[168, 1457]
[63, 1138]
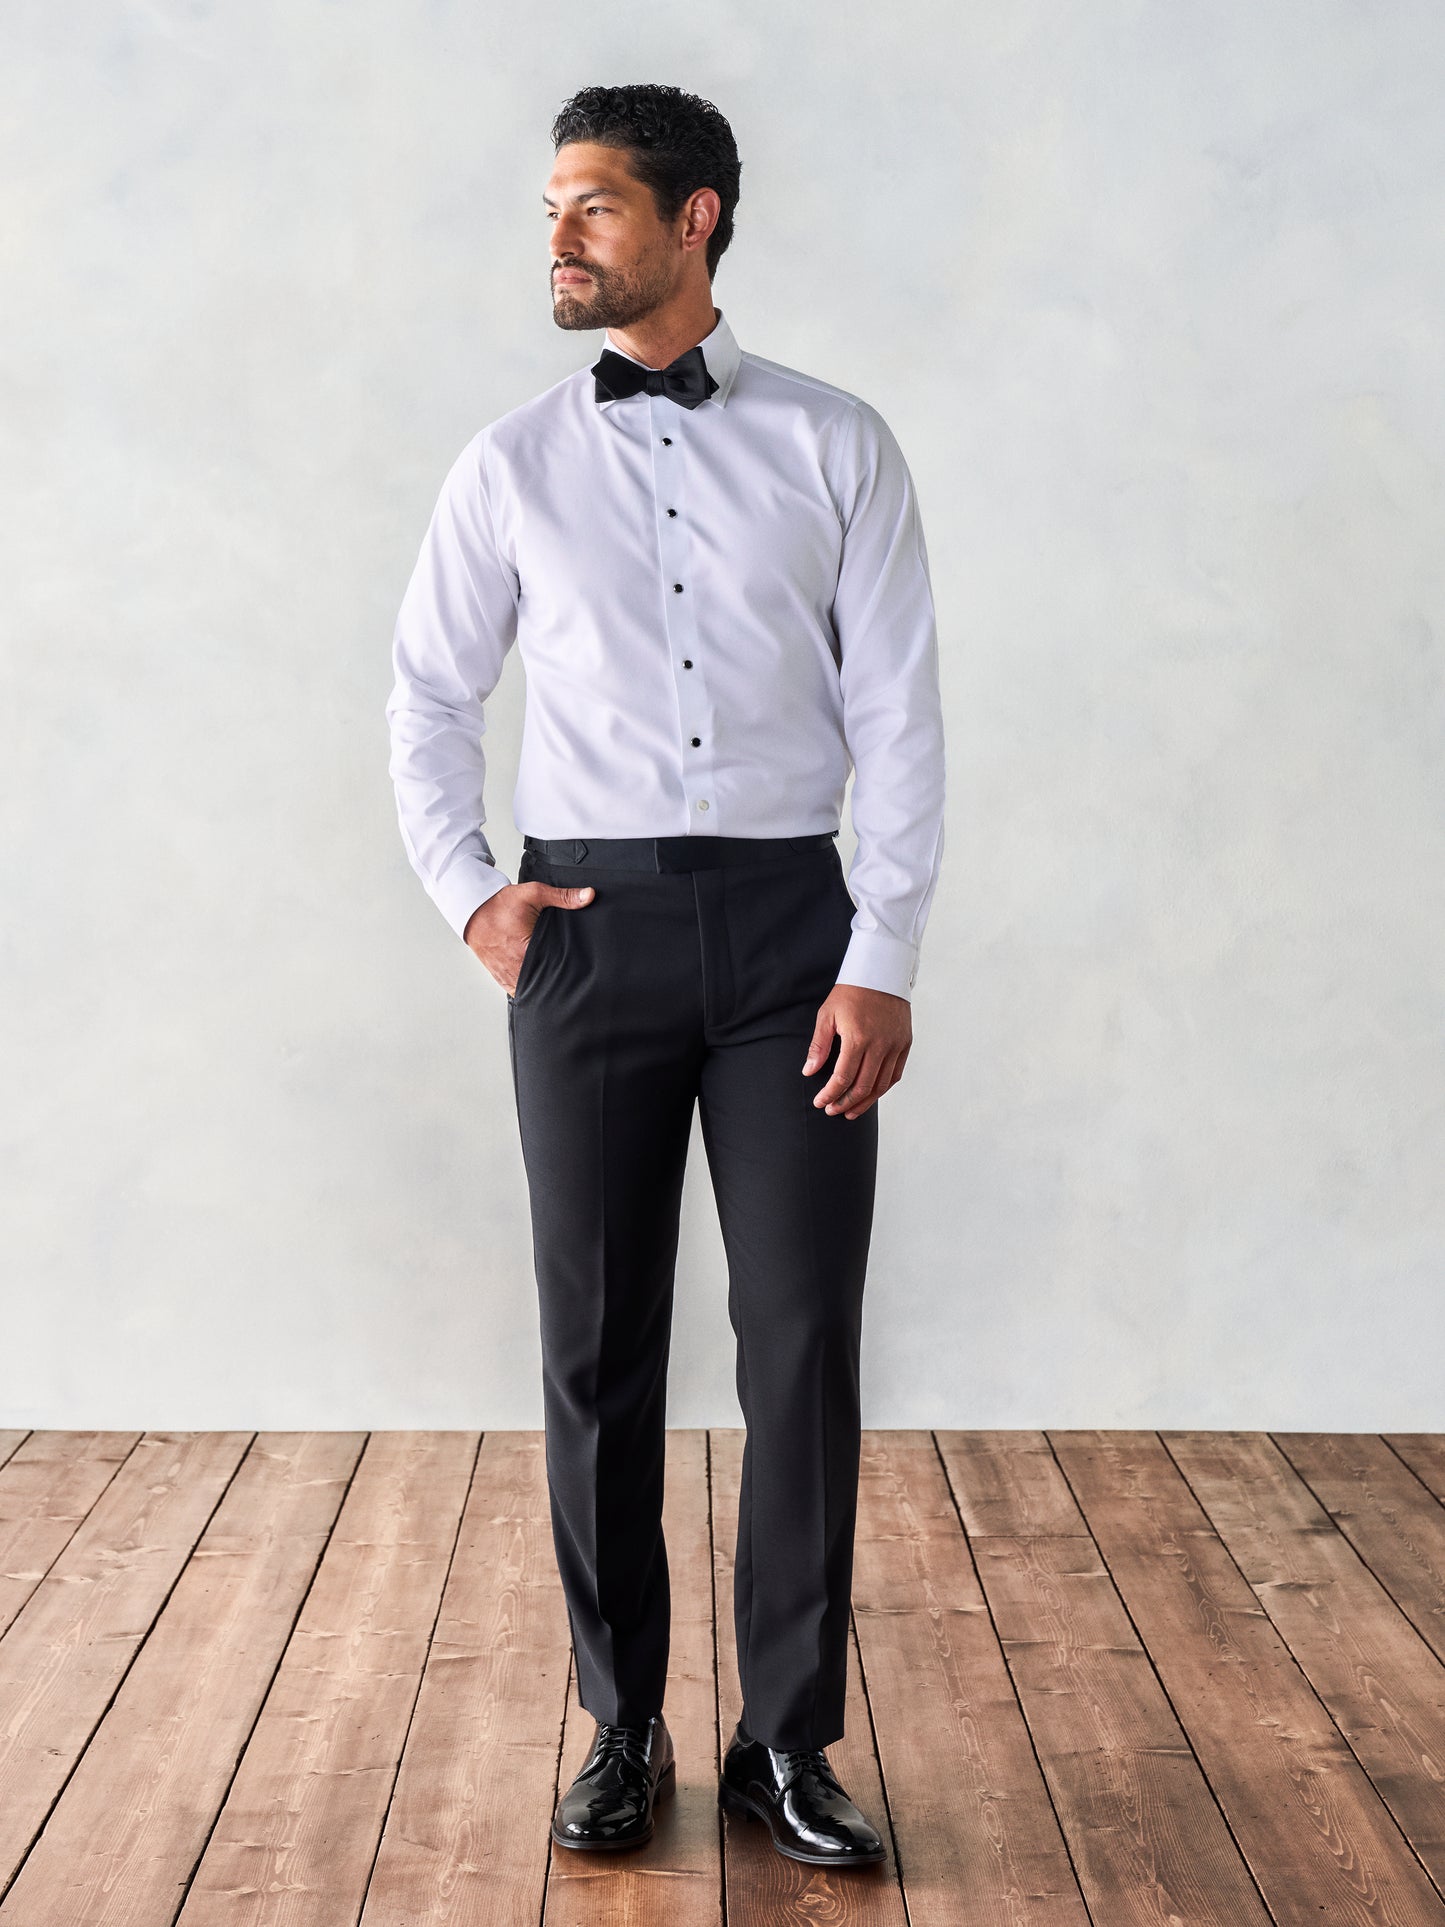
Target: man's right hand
[500, 929]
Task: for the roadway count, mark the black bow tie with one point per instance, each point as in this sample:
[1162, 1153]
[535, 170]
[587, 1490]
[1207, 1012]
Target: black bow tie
[686, 379]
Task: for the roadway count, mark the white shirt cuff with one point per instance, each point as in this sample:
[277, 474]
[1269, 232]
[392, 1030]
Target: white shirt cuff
[465, 887]
[874, 961]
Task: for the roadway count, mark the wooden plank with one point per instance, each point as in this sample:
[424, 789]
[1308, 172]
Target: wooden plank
[1148, 1843]
[978, 1838]
[1393, 1521]
[297, 1836]
[11, 1442]
[48, 1483]
[1424, 1453]
[675, 1880]
[74, 1639]
[131, 1824]
[1014, 1488]
[1318, 1838]
[466, 1835]
[1384, 1688]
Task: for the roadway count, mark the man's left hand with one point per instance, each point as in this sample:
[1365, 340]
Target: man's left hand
[875, 1029]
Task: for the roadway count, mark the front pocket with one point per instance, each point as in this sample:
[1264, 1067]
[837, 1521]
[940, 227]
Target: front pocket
[530, 952]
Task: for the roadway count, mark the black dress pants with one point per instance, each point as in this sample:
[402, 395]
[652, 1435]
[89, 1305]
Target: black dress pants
[694, 976]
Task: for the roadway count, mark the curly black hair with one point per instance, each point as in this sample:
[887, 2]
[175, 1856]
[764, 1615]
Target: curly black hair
[676, 143]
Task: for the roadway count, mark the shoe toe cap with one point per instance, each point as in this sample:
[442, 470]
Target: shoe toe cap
[594, 1821]
[601, 1832]
[843, 1831]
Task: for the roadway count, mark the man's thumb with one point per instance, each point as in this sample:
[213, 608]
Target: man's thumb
[570, 897]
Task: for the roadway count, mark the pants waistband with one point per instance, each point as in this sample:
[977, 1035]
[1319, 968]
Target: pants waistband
[667, 853]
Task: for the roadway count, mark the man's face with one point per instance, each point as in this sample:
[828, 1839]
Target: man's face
[613, 261]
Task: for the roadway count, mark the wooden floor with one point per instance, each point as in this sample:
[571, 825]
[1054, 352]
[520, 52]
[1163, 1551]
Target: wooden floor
[1108, 1677]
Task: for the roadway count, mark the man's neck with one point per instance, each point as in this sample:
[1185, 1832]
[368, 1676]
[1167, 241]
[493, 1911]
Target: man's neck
[660, 339]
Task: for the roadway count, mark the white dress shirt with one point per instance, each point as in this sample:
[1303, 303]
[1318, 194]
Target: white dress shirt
[721, 611]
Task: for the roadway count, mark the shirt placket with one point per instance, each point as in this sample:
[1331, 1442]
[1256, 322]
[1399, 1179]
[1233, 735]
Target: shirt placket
[679, 606]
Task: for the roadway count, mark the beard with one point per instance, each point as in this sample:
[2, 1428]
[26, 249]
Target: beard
[618, 296]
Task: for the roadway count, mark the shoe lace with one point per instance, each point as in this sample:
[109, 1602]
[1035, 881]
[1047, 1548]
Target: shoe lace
[626, 1743]
[795, 1760]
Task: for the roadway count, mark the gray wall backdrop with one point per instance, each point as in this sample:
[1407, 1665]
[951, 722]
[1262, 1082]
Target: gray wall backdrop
[1151, 295]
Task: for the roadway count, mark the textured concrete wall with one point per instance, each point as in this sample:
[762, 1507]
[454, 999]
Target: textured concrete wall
[1152, 297]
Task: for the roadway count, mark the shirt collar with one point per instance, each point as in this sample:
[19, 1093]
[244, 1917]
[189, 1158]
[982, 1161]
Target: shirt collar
[719, 350]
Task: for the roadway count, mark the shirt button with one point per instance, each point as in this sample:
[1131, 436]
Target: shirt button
[672, 511]
[702, 803]
[667, 441]
[696, 741]
[687, 662]
[678, 587]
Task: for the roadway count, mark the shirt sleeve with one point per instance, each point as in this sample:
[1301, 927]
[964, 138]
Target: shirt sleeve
[457, 621]
[883, 616]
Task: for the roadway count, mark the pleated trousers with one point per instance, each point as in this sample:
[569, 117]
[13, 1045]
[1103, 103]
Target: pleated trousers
[694, 977]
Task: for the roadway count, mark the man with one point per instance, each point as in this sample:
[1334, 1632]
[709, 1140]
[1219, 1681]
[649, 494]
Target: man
[715, 572]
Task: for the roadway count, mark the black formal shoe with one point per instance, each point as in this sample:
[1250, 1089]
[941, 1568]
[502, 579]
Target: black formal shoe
[609, 1804]
[797, 1793]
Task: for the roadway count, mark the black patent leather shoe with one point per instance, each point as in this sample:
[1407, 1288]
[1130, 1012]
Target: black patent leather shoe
[610, 1802]
[798, 1794]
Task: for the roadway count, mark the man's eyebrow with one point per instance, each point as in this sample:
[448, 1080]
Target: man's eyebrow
[587, 194]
